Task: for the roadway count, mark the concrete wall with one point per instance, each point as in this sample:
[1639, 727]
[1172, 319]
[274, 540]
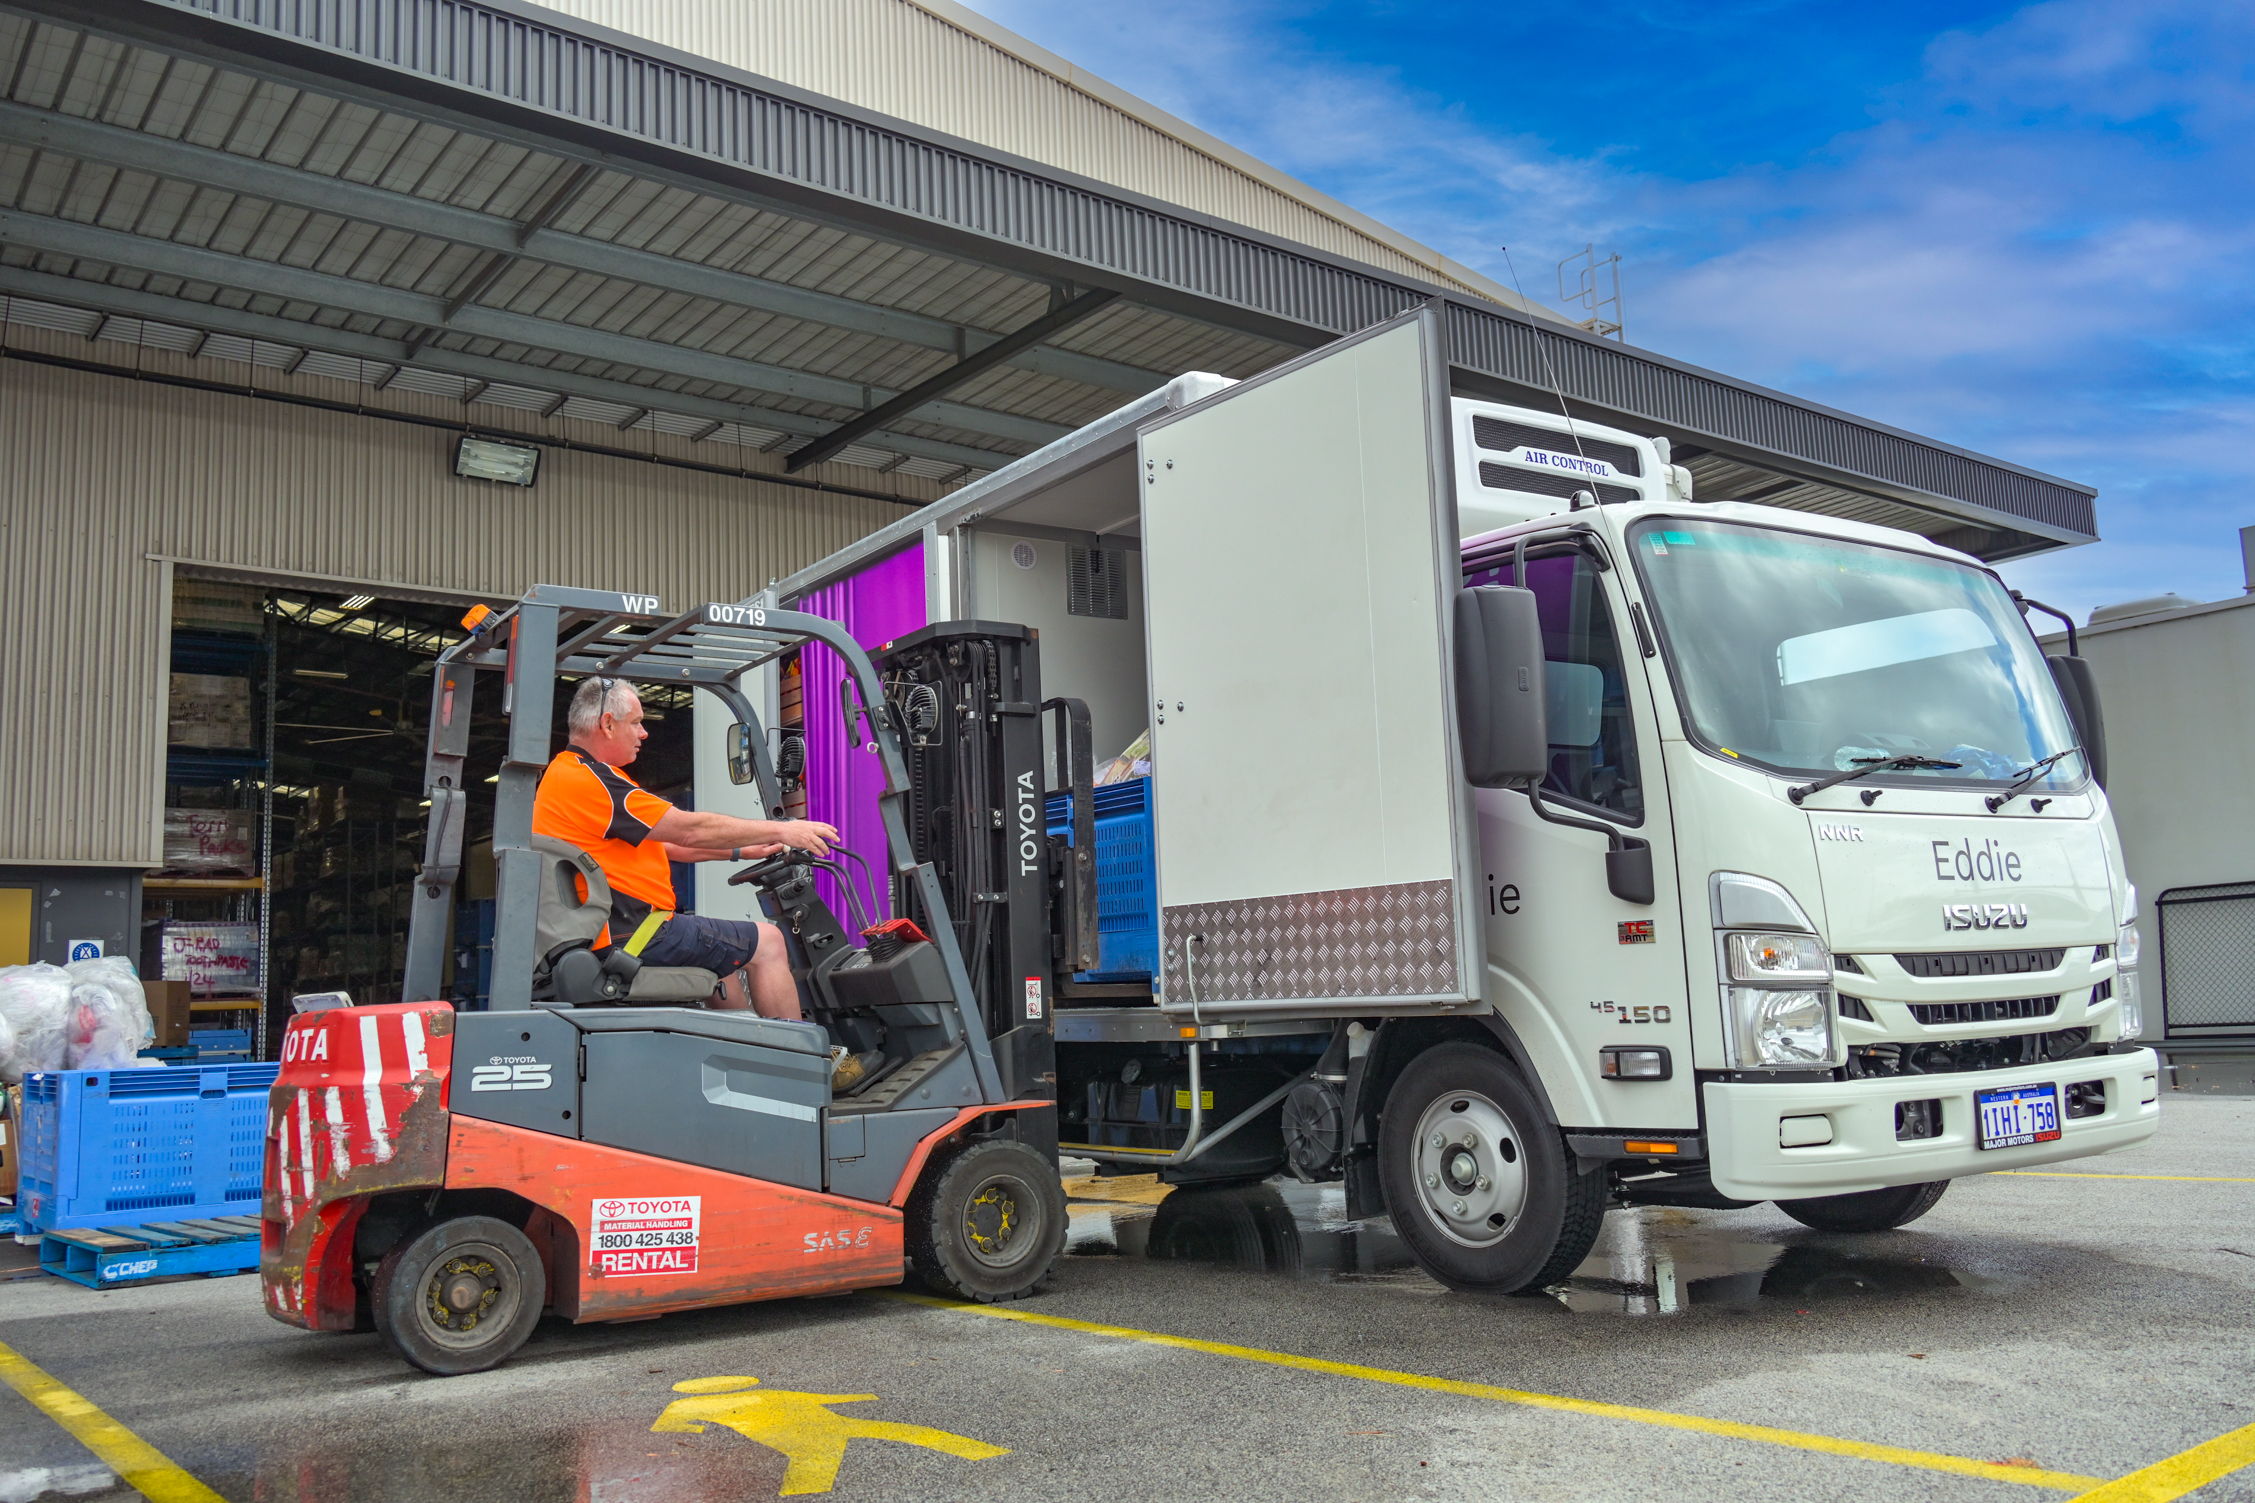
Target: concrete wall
[2178, 691]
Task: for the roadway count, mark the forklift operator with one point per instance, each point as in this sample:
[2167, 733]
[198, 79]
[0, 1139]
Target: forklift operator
[586, 799]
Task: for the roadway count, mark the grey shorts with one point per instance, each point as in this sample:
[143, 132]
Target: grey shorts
[722, 946]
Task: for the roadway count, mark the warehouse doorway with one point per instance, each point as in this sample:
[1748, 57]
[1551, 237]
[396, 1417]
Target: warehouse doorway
[294, 807]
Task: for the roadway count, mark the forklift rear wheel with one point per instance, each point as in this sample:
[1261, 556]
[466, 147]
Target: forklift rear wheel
[459, 1296]
[1478, 1180]
[988, 1223]
[1867, 1210]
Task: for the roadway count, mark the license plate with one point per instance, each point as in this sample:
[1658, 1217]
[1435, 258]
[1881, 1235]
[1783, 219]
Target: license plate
[2014, 1115]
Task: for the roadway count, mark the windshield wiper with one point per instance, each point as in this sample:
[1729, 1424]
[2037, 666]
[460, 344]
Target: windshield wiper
[2025, 776]
[1864, 765]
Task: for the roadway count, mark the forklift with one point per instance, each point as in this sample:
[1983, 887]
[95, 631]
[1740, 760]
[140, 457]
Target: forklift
[597, 1143]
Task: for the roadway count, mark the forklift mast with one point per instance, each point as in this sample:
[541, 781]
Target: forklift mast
[556, 631]
[966, 700]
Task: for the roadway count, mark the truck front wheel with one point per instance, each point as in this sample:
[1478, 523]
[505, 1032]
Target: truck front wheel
[1867, 1211]
[1477, 1179]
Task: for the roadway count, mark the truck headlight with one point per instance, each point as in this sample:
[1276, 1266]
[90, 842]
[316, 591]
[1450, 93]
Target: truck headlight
[2126, 948]
[1775, 958]
[1775, 1029]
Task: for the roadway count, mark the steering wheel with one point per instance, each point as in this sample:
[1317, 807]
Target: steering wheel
[771, 866]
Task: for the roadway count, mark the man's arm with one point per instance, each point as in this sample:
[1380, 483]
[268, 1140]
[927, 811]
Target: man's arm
[693, 853]
[704, 830]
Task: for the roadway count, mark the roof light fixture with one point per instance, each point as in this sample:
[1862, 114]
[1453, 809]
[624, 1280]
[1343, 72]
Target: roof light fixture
[491, 459]
[359, 602]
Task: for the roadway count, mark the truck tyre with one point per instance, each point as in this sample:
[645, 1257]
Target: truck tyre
[987, 1223]
[1477, 1178]
[460, 1295]
[1868, 1210]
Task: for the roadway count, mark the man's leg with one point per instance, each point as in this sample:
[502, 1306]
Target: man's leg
[774, 991]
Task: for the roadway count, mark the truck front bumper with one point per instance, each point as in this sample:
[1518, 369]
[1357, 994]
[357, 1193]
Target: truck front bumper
[1748, 1163]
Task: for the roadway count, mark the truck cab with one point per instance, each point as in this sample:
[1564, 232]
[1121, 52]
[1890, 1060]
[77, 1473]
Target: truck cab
[1856, 971]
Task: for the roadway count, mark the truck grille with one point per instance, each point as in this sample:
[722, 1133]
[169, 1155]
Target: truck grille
[1955, 963]
[2001, 1010]
[1950, 1056]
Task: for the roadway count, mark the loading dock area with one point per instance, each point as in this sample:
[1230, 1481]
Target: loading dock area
[2071, 1334]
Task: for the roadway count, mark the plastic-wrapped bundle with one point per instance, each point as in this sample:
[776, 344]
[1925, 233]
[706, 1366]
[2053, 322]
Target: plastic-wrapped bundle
[35, 1003]
[7, 1043]
[109, 1022]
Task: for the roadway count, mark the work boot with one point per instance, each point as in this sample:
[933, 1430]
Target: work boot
[848, 1069]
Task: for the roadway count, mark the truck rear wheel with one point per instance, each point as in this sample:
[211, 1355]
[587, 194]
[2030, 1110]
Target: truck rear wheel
[987, 1224]
[1478, 1180]
[1868, 1210]
[459, 1296]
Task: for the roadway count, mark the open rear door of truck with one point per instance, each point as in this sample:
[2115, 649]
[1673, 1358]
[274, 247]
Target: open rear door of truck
[1315, 843]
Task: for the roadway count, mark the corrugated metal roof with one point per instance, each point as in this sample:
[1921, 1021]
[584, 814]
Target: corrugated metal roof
[748, 256]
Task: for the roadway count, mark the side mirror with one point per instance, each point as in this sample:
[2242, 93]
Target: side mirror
[1628, 871]
[740, 766]
[1500, 698]
[2079, 690]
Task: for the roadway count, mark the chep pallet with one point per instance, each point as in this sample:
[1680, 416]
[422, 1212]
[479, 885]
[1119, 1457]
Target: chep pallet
[103, 1257]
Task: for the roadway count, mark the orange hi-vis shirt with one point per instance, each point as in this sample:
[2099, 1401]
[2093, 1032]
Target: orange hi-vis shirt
[607, 814]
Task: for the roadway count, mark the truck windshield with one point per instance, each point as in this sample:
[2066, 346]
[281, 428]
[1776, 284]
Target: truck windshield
[1808, 654]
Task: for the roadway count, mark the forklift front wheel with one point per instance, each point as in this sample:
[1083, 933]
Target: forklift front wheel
[988, 1223]
[460, 1296]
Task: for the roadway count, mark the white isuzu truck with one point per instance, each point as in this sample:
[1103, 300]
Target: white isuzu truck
[1524, 835]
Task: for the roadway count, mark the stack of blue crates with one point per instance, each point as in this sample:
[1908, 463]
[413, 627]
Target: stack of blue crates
[119, 1147]
[1127, 885]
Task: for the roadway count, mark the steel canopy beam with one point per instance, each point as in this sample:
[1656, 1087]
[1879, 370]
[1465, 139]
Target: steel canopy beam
[514, 71]
[933, 388]
[187, 313]
[182, 161]
[270, 278]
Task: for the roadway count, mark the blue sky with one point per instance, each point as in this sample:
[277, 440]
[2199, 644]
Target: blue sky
[2023, 229]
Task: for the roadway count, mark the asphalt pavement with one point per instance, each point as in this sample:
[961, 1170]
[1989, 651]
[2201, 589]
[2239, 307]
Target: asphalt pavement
[2033, 1336]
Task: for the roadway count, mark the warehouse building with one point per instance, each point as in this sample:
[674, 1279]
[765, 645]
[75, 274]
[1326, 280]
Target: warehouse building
[2176, 674]
[320, 323]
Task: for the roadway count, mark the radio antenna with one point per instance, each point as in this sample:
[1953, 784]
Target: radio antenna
[1549, 369]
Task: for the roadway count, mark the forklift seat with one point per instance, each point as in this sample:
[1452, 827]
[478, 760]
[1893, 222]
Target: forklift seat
[567, 919]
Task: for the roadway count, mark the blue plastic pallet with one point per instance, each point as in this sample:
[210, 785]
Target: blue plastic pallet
[104, 1257]
[111, 1147]
[1127, 884]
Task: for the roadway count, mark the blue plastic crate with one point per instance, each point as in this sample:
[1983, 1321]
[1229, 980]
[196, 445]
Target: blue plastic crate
[1127, 886]
[105, 1147]
[209, 1039]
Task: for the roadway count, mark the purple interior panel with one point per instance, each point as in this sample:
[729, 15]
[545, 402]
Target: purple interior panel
[882, 601]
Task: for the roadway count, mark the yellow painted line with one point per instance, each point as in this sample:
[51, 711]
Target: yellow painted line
[1728, 1429]
[138, 1464]
[2181, 1473]
[2182, 1179]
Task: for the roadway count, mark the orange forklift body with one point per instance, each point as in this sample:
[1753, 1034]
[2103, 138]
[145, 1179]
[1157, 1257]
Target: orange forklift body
[359, 1111]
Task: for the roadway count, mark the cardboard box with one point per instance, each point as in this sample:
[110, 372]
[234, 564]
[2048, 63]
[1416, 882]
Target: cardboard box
[210, 710]
[168, 1010]
[209, 605]
[213, 959]
[211, 842]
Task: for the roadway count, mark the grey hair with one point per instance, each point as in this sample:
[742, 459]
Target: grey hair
[591, 702]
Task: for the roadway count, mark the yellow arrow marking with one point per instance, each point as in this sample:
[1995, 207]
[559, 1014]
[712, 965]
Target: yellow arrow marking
[800, 1427]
